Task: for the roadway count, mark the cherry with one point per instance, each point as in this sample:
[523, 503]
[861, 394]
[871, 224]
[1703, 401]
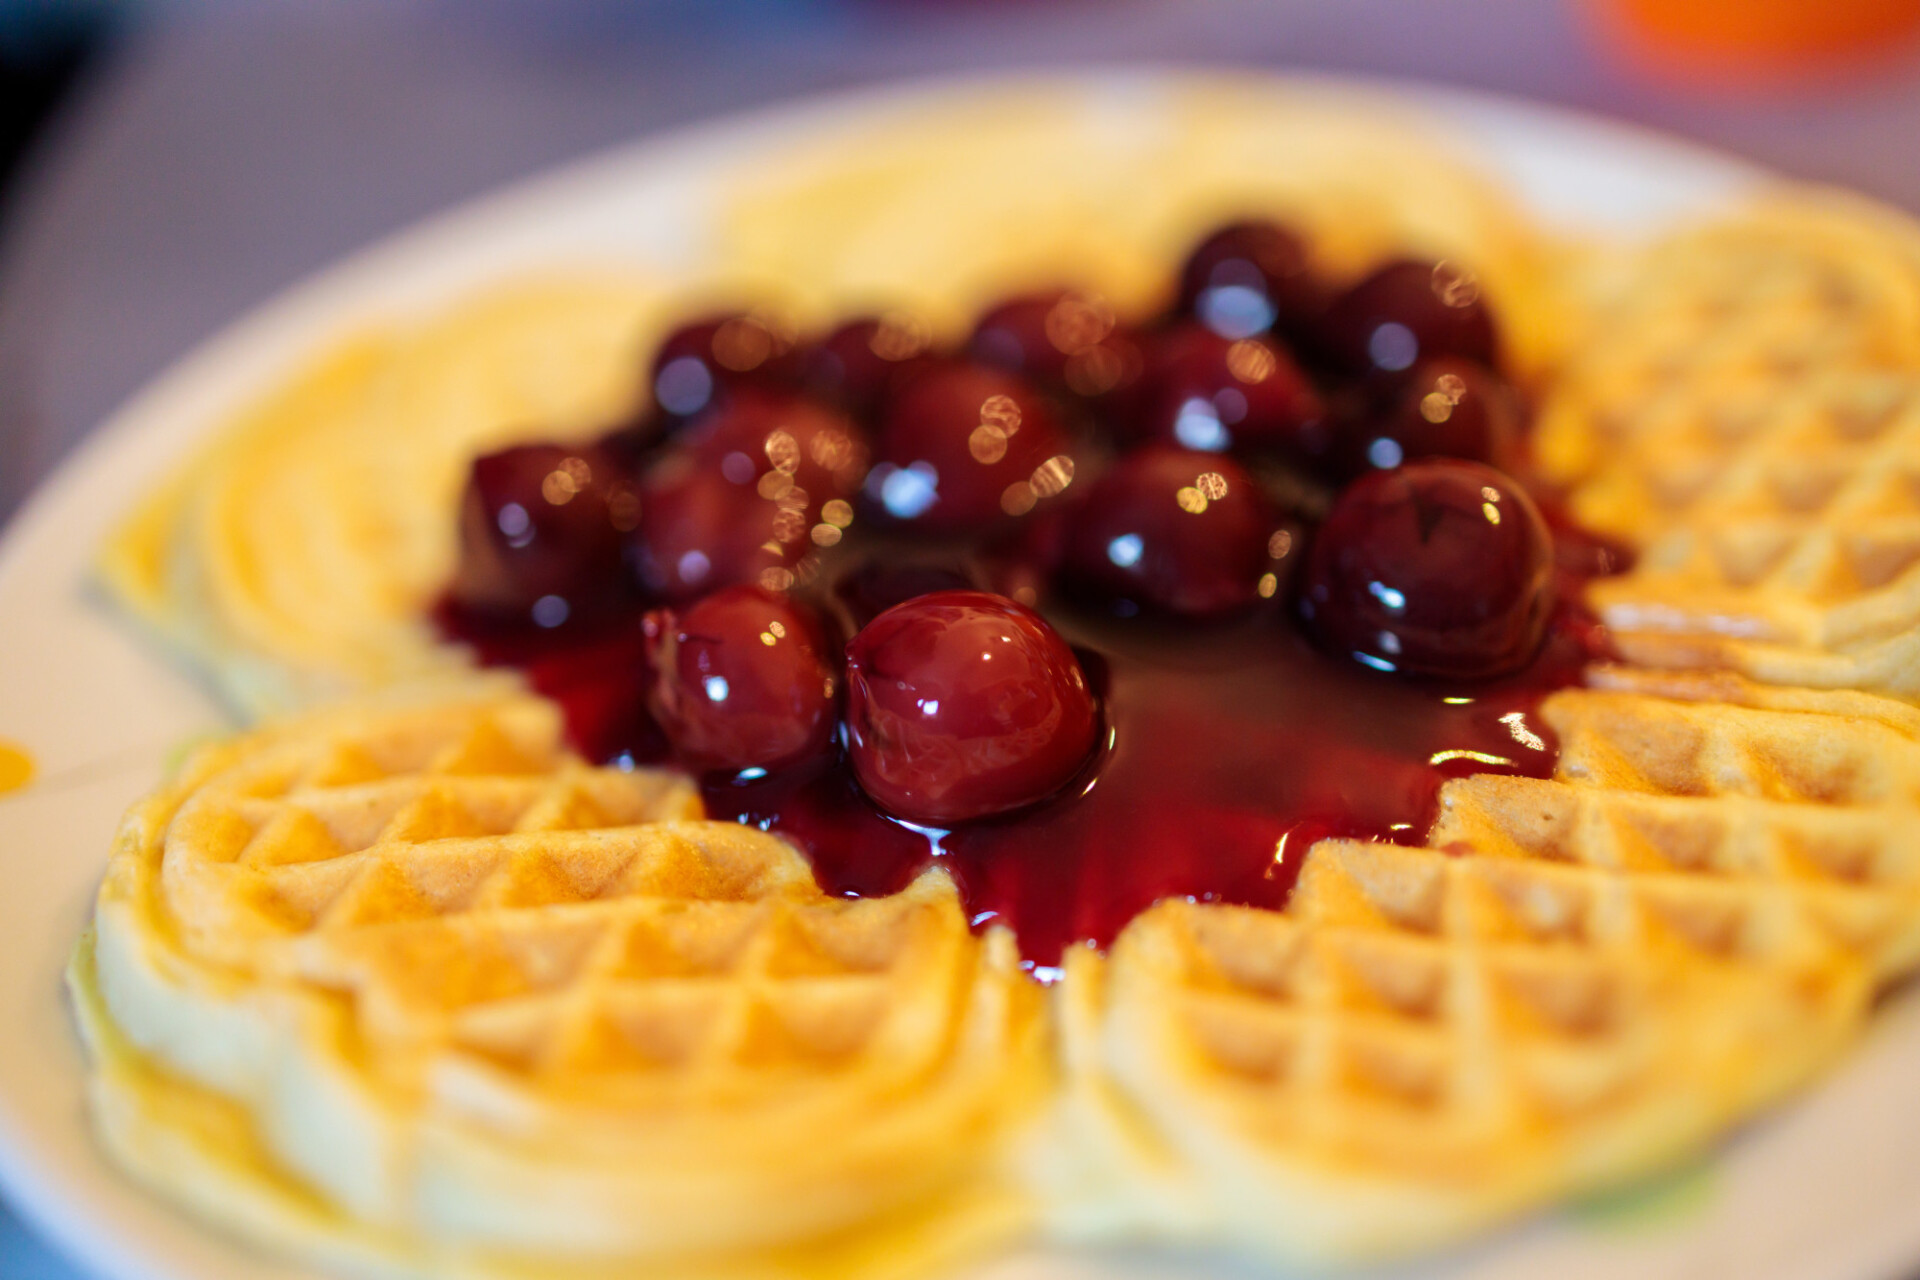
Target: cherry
[1213, 393]
[1246, 278]
[1437, 568]
[1068, 340]
[1446, 408]
[962, 704]
[747, 494]
[791, 449]
[860, 363]
[960, 446]
[1174, 531]
[698, 531]
[697, 361]
[741, 679]
[541, 527]
[1404, 312]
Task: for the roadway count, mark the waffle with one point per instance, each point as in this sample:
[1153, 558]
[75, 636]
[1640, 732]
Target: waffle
[1574, 981]
[470, 1005]
[1747, 412]
[295, 558]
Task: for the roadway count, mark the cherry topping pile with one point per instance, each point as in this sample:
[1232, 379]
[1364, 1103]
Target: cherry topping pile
[1095, 608]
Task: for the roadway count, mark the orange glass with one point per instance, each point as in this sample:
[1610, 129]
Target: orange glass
[1733, 41]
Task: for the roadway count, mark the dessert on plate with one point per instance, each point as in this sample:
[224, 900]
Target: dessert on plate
[1451, 747]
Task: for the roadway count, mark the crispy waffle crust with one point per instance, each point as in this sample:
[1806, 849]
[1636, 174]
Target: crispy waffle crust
[437, 994]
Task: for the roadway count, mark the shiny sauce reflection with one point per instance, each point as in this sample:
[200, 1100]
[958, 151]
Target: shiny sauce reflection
[1229, 752]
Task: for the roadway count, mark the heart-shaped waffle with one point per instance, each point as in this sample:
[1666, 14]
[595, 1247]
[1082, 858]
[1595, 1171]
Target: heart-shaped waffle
[485, 1002]
[1573, 982]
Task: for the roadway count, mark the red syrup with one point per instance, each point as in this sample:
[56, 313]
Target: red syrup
[1227, 744]
[1226, 751]
[594, 671]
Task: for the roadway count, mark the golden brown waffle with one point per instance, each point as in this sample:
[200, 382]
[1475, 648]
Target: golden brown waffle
[476, 996]
[1578, 980]
[1746, 411]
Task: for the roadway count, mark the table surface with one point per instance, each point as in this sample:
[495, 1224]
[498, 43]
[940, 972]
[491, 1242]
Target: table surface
[223, 150]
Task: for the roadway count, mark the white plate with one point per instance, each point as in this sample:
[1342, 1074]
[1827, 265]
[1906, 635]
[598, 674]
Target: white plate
[1825, 1189]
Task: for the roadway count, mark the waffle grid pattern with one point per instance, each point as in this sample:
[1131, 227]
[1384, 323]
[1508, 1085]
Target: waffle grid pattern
[1749, 414]
[544, 1008]
[481, 895]
[1578, 979]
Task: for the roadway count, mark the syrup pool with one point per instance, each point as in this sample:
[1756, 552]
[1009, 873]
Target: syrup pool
[1227, 751]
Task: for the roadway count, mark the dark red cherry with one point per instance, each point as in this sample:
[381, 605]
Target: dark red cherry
[1437, 568]
[1246, 278]
[1066, 339]
[962, 704]
[790, 449]
[1405, 312]
[541, 528]
[1207, 392]
[741, 679]
[700, 531]
[1172, 531]
[961, 446]
[859, 364]
[1446, 408]
[698, 361]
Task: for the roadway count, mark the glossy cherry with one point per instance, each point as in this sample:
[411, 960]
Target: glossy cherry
[1173, 531]
[1207, 392]
[1068, 340]
[961, 705]
[961, 446]
[1446, 408]
[698, 361]
[859, 364]
[1436, 568]
[700, 531]
[1407, 311]
[1247, 278]
[791, 449]
[541, 527]
[741, 679]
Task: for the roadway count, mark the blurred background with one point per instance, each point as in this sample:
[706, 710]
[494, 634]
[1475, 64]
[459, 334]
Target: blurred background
[164, 166]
